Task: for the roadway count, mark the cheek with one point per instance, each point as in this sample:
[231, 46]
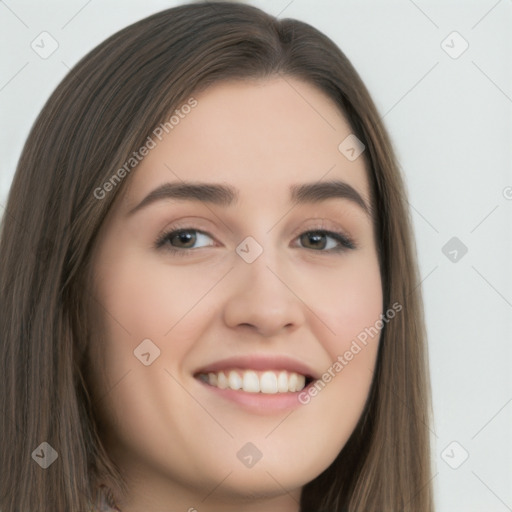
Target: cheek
[143, 298]
[347, 312]
[346, 303]
[147, 298]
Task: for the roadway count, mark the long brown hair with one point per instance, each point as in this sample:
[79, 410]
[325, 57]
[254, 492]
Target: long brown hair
[101, 113]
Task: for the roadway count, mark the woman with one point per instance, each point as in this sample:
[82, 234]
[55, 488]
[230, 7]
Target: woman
[279, 365]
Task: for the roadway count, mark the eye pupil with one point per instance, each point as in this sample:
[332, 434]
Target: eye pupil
[315, 237]
[185, 236]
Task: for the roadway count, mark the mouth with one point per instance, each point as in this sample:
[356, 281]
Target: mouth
[269, 382]
[259, 383]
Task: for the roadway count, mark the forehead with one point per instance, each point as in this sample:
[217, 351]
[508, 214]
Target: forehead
[260, 136]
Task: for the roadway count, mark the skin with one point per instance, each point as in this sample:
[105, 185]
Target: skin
[175, 440]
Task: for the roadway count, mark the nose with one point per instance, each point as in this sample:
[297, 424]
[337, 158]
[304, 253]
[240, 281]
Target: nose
[262, 297]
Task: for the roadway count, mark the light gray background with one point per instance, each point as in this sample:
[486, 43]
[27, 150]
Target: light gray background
[450, 120]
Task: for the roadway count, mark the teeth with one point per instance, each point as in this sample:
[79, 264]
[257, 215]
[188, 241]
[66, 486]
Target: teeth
[234, 380]
[222, 381]
[250, 381]
[282, 382]
[268, 382]
[293, 382]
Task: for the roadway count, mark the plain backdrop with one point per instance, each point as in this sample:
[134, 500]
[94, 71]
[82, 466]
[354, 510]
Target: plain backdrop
[449, 113]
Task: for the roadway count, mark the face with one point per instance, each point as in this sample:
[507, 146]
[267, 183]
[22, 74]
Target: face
[264, 286]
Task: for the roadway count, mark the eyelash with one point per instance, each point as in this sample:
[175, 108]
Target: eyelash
[346, 243]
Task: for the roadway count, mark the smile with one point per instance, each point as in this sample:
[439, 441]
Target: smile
[252, 381]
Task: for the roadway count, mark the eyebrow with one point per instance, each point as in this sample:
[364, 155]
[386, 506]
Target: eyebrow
[226, 195]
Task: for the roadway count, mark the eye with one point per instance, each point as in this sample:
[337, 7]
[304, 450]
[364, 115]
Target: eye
[182, 241]
[318, 239]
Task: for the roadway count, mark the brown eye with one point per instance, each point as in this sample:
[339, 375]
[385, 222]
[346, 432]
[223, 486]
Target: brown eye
[313, 240]
[319, 240]
[182, 239]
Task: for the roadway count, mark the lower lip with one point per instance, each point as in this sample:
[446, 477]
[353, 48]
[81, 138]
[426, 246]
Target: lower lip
[259, 402]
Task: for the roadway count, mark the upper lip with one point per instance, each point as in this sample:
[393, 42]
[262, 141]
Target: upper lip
[260, 362]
